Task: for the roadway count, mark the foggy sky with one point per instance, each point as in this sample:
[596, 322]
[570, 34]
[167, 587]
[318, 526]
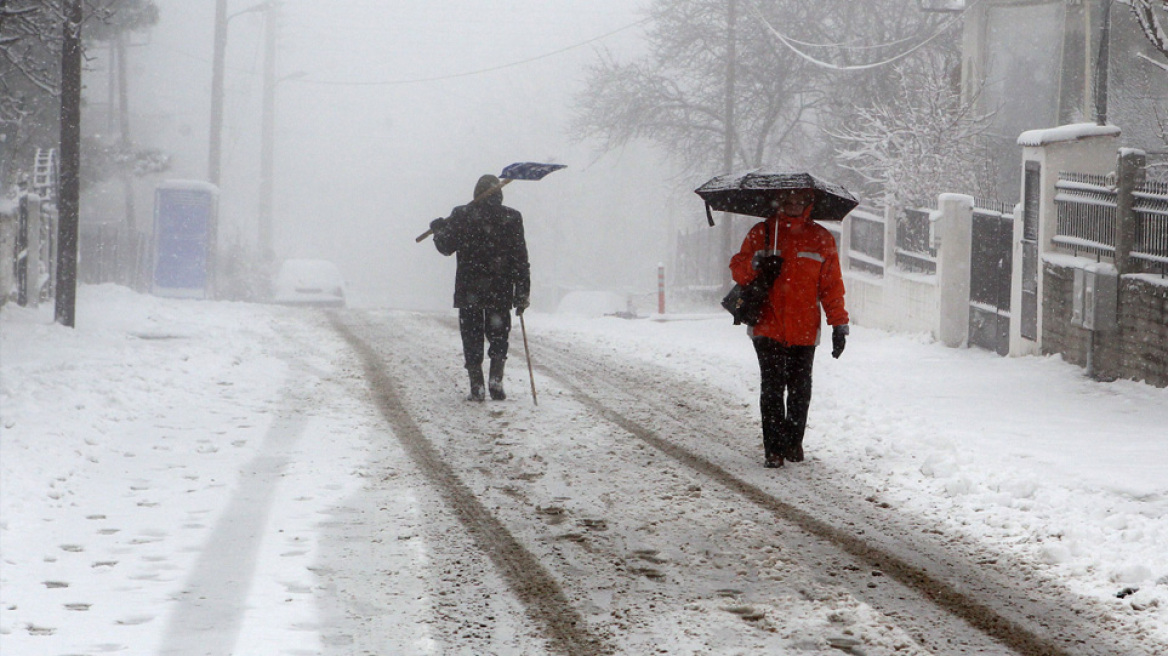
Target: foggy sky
[361, 169]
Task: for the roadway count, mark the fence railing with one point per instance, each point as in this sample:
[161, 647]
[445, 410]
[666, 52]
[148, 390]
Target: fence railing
[1086, 214]
[693, 268]
[867, 242]
[1087, 219]
[914, 253]
[1151, 238]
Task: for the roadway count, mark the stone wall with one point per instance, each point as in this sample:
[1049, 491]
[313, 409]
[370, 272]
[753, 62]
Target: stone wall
[1137, 349]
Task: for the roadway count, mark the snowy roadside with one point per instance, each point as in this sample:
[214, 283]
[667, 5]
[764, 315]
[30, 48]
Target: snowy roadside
[1025, 455]
[157, 461]
[168, 454]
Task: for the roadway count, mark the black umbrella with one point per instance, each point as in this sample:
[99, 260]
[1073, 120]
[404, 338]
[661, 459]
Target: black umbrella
[759, 192]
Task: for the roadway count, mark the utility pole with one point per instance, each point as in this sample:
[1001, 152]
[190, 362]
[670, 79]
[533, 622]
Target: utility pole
[268, 135]
[214, 154]
[126, 146]
[1102, 64]
[728, 128]
[69, 201]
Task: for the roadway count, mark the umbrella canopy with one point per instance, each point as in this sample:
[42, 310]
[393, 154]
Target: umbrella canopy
[758, 193]
[529, 170]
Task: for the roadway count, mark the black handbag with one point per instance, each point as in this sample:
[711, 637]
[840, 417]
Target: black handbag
[744, 303]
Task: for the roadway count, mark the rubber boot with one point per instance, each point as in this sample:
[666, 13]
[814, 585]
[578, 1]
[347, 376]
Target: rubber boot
[477, 388]
[495, 382]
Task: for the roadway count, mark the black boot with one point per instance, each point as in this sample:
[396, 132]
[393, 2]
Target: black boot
[495, 382]
[793, 442]
[477, 388]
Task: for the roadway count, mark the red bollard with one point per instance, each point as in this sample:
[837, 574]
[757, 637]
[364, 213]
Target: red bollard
[660, 289]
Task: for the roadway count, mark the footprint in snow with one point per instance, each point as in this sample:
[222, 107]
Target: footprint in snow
[748, 613]
[40, 630]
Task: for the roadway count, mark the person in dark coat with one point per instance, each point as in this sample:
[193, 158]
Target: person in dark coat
[493, 276]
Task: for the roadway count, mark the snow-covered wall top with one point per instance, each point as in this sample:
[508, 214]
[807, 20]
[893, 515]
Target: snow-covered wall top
[1073, 132]
[189, 185]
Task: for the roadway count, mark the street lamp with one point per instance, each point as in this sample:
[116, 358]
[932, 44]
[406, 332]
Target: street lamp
[222, 18]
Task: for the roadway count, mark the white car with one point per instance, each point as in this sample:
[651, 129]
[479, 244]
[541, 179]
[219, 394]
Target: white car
[309, 282]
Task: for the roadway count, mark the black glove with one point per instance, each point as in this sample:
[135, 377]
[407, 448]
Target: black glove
[437, 225]
[839, 339]
[769, 267]
[521, 304]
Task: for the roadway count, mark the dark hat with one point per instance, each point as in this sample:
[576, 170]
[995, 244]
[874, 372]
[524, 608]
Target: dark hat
[485, 184]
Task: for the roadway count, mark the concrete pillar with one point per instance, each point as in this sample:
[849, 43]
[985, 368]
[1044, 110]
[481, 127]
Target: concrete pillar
[1129, 175]
[953, 262]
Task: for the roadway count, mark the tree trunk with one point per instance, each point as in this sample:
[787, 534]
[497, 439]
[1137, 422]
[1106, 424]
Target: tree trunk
[68, 203]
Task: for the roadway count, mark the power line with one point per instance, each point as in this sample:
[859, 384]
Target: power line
[790, 43]
[471, 73]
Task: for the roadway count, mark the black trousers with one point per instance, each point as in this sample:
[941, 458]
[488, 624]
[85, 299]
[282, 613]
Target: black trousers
[475, 324]
[786, 392]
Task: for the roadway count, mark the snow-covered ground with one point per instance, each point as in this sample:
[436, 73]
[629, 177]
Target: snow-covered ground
[167, 454]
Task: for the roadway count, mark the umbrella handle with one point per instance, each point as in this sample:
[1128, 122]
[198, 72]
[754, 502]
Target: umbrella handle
[709, 216]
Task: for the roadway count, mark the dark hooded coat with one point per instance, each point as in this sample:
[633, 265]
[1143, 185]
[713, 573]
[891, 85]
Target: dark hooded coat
[493, 269]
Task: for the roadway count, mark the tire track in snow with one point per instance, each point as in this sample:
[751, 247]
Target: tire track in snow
[210, 614]
[546, 604]
[1008, 616]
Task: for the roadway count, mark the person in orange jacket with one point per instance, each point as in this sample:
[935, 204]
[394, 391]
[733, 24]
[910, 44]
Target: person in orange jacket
[801, 257]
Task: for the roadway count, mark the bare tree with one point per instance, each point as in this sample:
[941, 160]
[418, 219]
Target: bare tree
[921, 141]
[30, 71]
[30, 35]
[787, 82]
[1152, 23]
[676, 95]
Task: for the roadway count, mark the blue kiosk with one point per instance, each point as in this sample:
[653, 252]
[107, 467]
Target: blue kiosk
[185, 223]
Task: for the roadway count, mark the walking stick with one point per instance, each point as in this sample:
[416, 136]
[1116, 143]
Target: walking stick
[530, 373]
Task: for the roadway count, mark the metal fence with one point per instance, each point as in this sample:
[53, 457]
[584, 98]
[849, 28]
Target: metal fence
[99, 253]
[867, 242]
[1151, 242]
[1087, 218]
[1086, 214]
[914, 252]
[692, 268]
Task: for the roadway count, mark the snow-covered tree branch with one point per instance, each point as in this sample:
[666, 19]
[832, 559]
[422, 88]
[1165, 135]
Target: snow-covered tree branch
[1151, 22]
[922, 141]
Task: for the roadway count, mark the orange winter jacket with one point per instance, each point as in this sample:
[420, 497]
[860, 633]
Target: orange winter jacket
[810, 277]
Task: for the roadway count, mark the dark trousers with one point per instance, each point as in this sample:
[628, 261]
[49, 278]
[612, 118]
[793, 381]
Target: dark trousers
[475, 324]
[786, 393]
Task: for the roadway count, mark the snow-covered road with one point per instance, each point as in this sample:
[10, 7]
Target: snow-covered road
[212, 478]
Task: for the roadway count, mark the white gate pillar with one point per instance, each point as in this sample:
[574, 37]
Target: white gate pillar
[953, 268]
